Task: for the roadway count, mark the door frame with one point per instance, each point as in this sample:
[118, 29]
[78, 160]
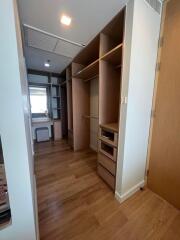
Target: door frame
[153, 110]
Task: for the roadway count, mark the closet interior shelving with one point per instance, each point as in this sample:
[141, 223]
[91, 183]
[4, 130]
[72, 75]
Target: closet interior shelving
[101, 61]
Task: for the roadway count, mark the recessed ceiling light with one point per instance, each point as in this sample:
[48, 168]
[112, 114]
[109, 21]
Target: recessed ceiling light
[47, 64]
[65, 20]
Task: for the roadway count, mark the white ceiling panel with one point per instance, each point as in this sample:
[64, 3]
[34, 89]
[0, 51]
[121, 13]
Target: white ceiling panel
[67, 49]
[40, 40]
[36, 58]
[88, 19]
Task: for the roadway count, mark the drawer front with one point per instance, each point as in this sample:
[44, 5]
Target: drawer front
[106, 176]
[109, 136]
[108, 163]
[109, 151]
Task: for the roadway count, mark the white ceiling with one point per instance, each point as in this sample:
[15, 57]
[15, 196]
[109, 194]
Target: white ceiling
[36, 58]
[88, 18]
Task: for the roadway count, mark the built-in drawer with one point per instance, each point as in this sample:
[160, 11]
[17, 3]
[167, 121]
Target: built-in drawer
[108, 163]
[109, 136]
[106, 176]
[108, 150]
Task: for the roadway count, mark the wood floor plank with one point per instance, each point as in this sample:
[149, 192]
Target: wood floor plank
[75, 204]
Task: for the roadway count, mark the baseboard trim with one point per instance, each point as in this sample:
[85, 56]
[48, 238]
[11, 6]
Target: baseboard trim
[125, 196]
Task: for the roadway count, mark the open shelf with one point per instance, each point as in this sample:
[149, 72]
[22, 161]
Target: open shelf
[109, 134]
[92, 70]
[89, 54]
[107, 141]
[113, 34]
[114, 56]
[111, 126]
[90, 117]
[108, 150]
[89, 71]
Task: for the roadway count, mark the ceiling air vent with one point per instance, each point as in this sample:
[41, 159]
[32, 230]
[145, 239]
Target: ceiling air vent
[155, 4]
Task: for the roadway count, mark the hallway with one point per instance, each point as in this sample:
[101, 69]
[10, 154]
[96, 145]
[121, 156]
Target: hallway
[75, 204]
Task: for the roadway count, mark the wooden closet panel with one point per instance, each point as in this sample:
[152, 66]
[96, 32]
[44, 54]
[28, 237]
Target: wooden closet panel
[88, 54]
[69, 103]
[107, 44]
[109, 93]
[64, 118]
[81, 108]
[57, 130]
[164, 165]
[94, 113]
[69, 98]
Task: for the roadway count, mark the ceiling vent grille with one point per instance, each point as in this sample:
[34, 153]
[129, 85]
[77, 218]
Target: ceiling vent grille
[155, 4]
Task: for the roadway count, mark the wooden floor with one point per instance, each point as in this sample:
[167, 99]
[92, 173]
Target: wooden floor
[74, 203]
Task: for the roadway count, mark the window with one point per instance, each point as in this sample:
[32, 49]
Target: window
[39, 101]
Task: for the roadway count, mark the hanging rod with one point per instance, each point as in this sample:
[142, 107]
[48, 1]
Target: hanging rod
[63, 83]
[118, 66]
[87, 116]
[53, 35]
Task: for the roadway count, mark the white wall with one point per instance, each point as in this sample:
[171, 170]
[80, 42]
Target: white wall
[140, 53]
[15, 128]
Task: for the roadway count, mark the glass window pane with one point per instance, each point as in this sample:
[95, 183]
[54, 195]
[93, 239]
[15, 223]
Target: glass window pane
[38, 98]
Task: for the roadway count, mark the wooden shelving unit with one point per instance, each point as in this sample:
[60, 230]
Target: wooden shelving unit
[69, 105]
[107, 157]
[99, 62]
[52, 83]
[114, 56]
[111, 46]
[89, 71]
[55, 100]
[92, 70]
[111, 126]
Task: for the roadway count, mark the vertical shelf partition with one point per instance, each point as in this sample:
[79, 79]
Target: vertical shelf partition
[81, 108]
[63, 106]
[69, 106]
